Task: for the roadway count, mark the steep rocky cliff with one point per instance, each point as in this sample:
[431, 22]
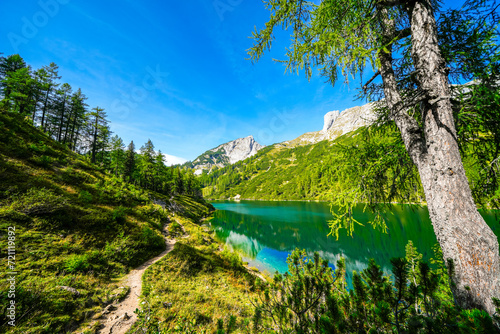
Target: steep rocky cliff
[336, 124]
[226, 154]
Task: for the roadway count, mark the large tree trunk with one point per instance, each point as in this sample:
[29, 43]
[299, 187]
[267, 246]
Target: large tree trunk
[462, 233]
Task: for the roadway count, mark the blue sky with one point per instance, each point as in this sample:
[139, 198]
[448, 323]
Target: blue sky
[174, 72]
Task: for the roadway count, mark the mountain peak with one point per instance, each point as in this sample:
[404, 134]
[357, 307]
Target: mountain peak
[336, 124]
[227, 154]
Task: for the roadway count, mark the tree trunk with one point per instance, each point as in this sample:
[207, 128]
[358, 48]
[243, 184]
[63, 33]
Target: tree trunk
[462, 233]
[94, 143]
[44, 110]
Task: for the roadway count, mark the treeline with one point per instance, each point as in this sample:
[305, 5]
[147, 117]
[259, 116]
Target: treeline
[64, 115]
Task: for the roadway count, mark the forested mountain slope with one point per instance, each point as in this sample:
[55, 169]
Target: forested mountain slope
[370, 163]
[304, 172]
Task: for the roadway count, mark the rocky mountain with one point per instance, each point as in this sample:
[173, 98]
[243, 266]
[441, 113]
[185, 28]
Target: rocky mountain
[226, 154]
[336, 124]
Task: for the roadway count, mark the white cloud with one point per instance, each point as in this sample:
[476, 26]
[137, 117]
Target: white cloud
[173, 160]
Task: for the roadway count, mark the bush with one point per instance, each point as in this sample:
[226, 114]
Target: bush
[42, 161]
[151, 239]
[77, 263]
[175, 229]
[233, 258]
[311, 298]
[119, 214]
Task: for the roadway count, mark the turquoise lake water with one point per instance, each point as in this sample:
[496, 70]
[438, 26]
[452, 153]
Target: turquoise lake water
[265, 232]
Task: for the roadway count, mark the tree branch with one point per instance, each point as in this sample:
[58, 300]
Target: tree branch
[365, 86]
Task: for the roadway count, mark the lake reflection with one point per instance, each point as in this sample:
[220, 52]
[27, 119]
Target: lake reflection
[266, 232]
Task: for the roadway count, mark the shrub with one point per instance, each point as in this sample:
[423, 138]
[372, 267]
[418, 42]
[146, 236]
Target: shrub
[77, 263]
[311, 298]
[119, 214]
[233, 258]
[175, 229]
[150, 238]
[42, 161]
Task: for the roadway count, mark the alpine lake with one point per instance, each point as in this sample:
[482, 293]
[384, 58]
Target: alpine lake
[264, 233]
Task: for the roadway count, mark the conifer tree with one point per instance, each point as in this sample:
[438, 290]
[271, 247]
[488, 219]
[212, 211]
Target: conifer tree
[117, 155]
[97, 129]
[130, 162]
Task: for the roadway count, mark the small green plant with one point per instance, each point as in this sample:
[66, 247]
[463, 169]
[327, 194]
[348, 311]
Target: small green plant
[42, 161]
[85, 197]
[175, 229]
[119, 214]
[77, 263]
[233, 258]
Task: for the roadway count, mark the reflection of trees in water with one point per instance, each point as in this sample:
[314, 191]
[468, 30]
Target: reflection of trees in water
[285, 227]
[248, 247]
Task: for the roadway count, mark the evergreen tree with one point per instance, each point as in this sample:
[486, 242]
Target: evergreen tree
[48, 85]
[76, 118]
[97, 129]
[130, 162]
[8, 66]
[117, 155]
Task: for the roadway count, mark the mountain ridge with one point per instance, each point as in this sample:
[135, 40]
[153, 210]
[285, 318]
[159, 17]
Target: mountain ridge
[226, 154]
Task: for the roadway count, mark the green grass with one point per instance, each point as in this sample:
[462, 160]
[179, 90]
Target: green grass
[76, 226]
[195, 286]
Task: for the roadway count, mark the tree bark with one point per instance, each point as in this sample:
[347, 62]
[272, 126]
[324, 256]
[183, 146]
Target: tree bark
[461, 231]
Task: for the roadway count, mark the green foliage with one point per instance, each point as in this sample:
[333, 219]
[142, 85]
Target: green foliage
[311, 298]
[231, 257]
[194, 289]
[85, 197]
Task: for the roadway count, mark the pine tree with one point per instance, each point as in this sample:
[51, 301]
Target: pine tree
[48, 85]
[129, 163]
[117, 155]
[8, 66]
[97, 129]
[146, 165]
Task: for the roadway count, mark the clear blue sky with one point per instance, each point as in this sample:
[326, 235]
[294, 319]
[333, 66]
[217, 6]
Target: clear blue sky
[172, 71]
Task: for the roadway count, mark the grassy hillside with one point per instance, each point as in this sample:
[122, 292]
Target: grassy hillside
[74, 228]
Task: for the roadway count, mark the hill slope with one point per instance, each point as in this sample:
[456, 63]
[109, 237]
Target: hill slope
[73, 228]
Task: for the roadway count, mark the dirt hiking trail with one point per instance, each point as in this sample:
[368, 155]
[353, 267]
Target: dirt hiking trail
[119, 318]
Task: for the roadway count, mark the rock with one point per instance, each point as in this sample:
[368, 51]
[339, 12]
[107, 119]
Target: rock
[336, 124]
[108, 309]
[74, 291]
[167, 305]
[226, 154]
[330, 118]
[125, 316]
